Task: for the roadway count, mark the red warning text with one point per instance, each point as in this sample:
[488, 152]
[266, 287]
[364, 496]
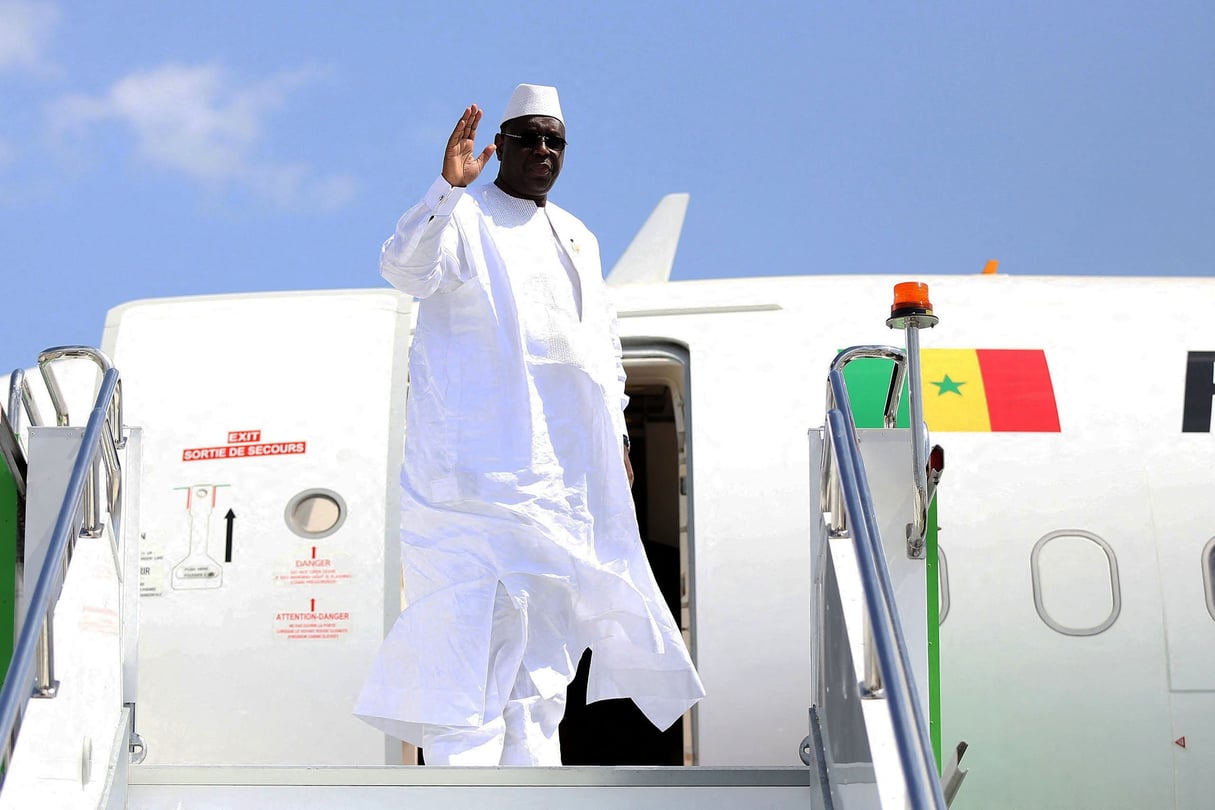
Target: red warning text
[244, 451]
[244, 436]
[312, 572]
[300, 626]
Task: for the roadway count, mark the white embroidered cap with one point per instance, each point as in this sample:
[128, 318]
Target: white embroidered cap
[533, 99]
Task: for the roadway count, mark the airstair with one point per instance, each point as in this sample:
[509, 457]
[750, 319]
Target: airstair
[70, 713]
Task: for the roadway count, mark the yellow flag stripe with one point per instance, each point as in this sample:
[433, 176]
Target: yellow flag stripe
[954, 396]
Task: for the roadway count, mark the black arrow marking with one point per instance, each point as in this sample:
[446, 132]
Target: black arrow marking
[230, 517]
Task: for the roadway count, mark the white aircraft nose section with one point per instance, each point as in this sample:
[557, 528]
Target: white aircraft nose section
[649, 257]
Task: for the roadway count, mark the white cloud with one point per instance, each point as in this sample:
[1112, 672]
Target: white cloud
[201, 122]
[25, 28]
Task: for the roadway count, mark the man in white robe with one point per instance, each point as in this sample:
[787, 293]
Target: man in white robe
[519, 541]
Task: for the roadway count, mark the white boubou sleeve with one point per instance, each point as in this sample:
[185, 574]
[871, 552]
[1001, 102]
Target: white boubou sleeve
[423, 256]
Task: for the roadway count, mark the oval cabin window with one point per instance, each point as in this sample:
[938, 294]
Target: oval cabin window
[1208, 575]
[942, 584]
[1075, 579]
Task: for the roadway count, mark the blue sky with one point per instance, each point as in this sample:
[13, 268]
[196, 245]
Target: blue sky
[157, 148]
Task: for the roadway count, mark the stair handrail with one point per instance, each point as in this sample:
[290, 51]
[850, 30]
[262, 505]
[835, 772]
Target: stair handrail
[888, 672]
[30, 671]
[99, 358]
[114, 422]
[13, 455]
[828, 487]
[19, 396]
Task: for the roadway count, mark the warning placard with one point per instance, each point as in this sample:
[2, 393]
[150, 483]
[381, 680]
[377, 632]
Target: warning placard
[312, 624]
[153, 573]
[312, 570]
[244, 444]
[244, 436]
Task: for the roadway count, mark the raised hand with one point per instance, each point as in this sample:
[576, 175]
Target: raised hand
[460, 168]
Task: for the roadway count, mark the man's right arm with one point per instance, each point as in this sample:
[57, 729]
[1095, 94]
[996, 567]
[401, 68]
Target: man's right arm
[422, 256]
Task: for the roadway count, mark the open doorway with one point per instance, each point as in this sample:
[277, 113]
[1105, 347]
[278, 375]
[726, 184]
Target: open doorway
[614, 732]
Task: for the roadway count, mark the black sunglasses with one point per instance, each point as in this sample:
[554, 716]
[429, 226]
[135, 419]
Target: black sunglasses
[531, 140]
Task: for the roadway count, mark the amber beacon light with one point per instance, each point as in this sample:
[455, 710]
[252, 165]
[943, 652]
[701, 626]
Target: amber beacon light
[911, 306]
[911, 312]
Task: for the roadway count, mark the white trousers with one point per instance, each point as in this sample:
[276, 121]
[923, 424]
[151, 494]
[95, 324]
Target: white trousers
[526, 731]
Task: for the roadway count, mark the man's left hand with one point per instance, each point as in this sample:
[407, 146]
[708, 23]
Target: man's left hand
[628, 465]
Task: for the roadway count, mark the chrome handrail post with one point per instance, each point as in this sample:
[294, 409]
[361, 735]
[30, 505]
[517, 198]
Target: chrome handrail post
[109, 455]
[45, 685]
[817, 568]
[829, 486]
[34, 416]
[919, 446]
[113, 472]
[894, 395]
[91, 518]
[872, 687]
[14, 399]
[120, 441]
[62, 419]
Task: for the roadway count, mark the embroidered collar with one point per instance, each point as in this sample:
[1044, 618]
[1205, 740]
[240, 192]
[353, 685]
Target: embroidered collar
[505, 210]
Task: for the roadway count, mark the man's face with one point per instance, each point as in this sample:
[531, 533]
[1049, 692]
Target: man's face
[529, 167]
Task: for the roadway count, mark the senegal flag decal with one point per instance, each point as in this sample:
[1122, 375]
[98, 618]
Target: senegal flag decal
[980, 390]
[966, 390]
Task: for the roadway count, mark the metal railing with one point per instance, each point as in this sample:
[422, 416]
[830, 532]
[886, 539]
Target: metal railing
[109, 449]
[19, 396]
[828, 493]
[31, 671]
[888, 675]
[909, 373]
[13, 455]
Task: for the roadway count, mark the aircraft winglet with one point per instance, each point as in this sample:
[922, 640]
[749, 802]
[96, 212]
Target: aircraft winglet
[649, 257]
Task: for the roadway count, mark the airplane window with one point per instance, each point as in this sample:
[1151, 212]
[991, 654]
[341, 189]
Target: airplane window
[315, 513]
[942, 584]
[1075, 580]
[1208, 575]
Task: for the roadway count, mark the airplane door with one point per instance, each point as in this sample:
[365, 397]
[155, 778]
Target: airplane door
[1179, 471]
[269, 569]
[1184, 517]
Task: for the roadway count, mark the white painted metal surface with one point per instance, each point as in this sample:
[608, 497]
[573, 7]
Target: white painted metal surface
[255, 635]
[446, 788]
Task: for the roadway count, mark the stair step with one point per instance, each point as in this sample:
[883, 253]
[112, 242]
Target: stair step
[423, 788]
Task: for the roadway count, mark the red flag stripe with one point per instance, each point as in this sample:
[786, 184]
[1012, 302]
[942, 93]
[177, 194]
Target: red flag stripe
[1020, 396]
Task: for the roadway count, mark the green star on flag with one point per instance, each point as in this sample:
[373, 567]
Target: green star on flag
[948, 386]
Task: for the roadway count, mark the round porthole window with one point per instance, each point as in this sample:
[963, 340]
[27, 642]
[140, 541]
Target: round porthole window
[315, 513]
